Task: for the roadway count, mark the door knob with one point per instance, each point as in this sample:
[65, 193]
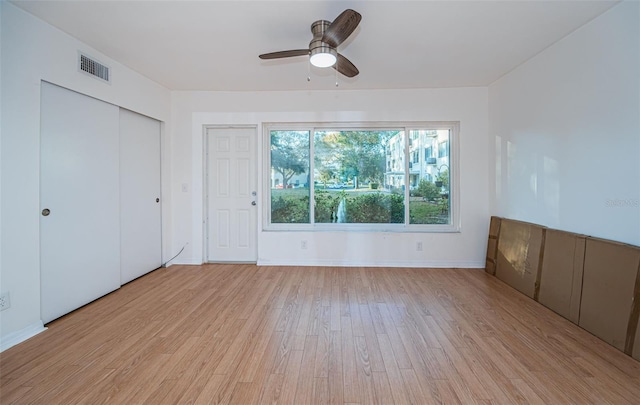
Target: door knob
[157, 200]
[46, 212]
[253, 203]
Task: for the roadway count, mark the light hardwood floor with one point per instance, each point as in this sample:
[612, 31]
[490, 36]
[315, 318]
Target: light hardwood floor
[300, 335]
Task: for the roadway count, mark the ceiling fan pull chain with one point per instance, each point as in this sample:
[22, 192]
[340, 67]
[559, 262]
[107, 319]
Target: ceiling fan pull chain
[309, 71]
[336, 72]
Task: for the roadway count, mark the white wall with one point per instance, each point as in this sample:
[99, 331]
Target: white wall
[1, 60]
[33, 51]
[192, 110]
[565, 132]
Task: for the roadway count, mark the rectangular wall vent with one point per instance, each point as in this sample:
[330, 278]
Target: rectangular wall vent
[93, 68]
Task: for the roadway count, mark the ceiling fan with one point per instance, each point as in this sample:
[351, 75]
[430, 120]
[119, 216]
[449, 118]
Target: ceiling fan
[327, 36]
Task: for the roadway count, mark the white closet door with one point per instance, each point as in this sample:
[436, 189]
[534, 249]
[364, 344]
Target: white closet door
[79, 176]
[140, 216]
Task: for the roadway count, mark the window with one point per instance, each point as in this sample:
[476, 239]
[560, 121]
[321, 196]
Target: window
[290, 161]
[443, 148]
[326, 176]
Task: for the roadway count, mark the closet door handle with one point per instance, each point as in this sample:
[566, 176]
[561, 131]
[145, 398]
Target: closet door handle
[46, 212]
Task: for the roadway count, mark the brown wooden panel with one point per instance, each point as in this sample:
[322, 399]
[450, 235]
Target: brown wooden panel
[632, 346]
[492, 250]
[494, 226]
[561, 273]
[610, 271]
[636, 345]
[492, 245]
[518, 258]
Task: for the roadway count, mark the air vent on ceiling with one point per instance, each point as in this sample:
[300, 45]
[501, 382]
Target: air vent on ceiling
[93, 67]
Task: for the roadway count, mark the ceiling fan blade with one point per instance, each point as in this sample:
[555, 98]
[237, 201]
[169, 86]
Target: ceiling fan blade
[341, 27]
[284, 54]
[344, 66]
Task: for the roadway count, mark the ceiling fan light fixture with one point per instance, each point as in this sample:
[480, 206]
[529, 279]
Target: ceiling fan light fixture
[323, 60]
[323, 56]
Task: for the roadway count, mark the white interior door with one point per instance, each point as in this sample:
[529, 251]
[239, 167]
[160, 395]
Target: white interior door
[231, 195]
[140, 213]
[79, 194]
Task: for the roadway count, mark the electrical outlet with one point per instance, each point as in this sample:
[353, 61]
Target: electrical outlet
[5, 301]
[419, 246]
[303, 244]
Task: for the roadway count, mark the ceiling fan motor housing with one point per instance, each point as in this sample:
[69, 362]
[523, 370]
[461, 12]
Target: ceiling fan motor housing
[324, 54]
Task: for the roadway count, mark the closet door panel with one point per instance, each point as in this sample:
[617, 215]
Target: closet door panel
[79, 200]
[140, 215]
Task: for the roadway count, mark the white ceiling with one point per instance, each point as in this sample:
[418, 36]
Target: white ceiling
[214, 45]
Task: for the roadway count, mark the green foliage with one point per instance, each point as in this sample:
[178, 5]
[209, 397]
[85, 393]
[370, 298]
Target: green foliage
[375, 208]
[325, 175]
[427, 190]
[374, 186]
[347, 154]
[290, 210]
[422, 212]
[326, 207]
[289, 153]
[443, 176]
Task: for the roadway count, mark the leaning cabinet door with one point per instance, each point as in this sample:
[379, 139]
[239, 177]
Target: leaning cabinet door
[140, 217]
[79, 200]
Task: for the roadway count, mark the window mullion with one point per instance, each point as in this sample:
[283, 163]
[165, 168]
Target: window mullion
[312, 180]
[407, 173]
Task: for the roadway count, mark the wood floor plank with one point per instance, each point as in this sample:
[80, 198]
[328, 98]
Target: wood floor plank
[372, 347]
[209, 393]
[398, 390]
[263, 372]
[272, 392]
[399, 351]
[293, 337]
[364, 371]
[304, 319]
[528, 394]
[304, 389]
[416, 392]
[218, 345]
[336, 372]
[351, 385]
[447, 394]
[242, 346]
[291, 377]
[321, 369]
[242, 334]
[425, 371]
[382, 388]
[336, 307]
[501, 389]
[354, 306]
[320, 391]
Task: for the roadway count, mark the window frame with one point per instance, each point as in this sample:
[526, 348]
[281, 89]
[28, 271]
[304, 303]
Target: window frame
[407, 127]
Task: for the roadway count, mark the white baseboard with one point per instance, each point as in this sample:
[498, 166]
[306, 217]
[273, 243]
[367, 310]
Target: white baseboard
[21, 335]
[445, 264]
[414, 264]
[187, 262]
